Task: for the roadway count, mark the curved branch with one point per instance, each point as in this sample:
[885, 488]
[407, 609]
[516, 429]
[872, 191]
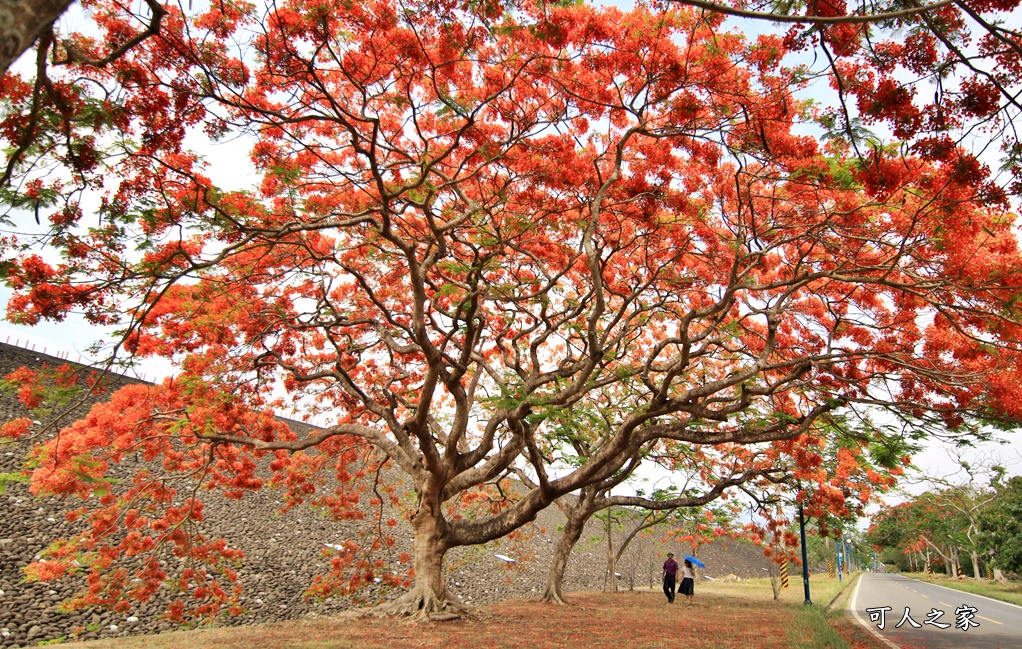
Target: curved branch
[308, 442]
[152, 29]
[813, 20]
[683, 501]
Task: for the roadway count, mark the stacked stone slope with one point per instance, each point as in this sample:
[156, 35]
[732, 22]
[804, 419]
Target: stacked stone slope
[284, 551]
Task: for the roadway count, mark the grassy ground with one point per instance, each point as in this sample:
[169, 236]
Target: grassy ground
[1010, 592]
[821, 589]
[723, 615]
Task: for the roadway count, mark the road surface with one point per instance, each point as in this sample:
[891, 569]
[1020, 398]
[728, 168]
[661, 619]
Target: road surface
[943, 618]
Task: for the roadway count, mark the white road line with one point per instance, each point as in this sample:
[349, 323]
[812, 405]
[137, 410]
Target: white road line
[852, 608]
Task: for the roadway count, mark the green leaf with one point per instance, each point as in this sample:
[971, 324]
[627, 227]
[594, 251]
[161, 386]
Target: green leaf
[8, 478]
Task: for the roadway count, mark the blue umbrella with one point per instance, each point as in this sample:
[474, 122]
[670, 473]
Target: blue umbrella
[695, 562]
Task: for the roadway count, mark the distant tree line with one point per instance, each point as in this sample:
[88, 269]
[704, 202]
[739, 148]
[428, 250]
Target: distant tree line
[978, 529]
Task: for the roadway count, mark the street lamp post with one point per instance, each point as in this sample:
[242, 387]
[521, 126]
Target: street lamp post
[838, 547]
[805, 556]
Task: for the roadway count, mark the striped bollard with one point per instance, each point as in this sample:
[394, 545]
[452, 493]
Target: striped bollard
[830, 568]
[784, 572]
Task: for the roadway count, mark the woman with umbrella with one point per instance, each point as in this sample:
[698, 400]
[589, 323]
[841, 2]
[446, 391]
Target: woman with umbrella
[688, 576]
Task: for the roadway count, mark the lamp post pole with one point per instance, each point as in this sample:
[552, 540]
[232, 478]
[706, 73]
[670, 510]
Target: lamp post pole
[805, 556]
[838, 548]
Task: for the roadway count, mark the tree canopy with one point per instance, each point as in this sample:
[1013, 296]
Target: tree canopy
[942, 77]
[468, 220]
[1001, 533]
[980, 520]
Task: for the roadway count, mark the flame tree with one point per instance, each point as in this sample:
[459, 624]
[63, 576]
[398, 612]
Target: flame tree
[469, 218]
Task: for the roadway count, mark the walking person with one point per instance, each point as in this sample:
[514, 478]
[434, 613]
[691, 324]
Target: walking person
[688, 581]
[669, 576]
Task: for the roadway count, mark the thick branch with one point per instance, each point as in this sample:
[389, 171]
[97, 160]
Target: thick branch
[21, 22]
[814, 20]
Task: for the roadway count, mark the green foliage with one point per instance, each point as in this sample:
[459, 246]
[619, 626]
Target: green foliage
[8, 478]
[1001, 525]
[887, 450]
[928, 515]
[812, 628]
[853, 132]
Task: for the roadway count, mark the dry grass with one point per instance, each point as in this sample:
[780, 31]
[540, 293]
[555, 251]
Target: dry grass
[724, 615]
[822, 589]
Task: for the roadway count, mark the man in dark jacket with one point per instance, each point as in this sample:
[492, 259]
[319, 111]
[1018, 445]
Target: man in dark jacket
[670, 576]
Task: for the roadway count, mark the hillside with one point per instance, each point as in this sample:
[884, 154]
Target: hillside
[284, 551]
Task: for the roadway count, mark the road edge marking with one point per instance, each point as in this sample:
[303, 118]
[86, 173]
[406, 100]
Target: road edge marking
[953, 590]
[853, 605]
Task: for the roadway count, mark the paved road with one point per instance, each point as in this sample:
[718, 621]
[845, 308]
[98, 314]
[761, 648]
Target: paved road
[973, 622]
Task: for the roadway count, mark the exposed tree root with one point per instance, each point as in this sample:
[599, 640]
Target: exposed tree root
[553, 596]
[423, 605]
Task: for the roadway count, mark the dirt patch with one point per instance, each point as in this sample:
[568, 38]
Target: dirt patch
[591, 620]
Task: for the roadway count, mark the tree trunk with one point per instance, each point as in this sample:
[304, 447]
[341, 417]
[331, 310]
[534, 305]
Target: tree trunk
[429, 595]
[652, 569]
[648, 521]
[948, 557]
[998, 575]
[611, 557]
[555, 576]
[975, 564]
[21, 21]
[775, 579]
